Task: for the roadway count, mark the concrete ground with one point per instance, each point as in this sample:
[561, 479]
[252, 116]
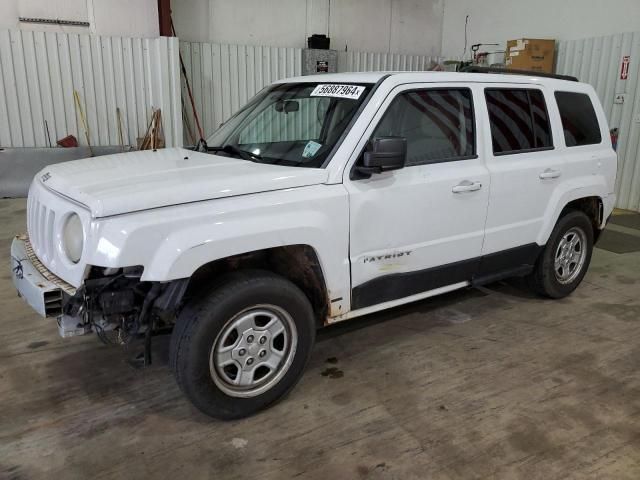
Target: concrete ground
[483, 383]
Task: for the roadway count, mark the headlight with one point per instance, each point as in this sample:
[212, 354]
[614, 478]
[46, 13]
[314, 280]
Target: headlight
[73, 237]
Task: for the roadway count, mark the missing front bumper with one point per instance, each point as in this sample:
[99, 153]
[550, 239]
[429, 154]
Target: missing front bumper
[42, 290]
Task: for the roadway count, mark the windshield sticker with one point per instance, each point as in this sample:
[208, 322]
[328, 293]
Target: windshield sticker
[310, 149]
[352, 92]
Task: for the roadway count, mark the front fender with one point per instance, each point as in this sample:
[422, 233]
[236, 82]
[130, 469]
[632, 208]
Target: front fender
[183, 251]
[173, 242]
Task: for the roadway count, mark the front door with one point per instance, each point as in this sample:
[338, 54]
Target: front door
[421, 227]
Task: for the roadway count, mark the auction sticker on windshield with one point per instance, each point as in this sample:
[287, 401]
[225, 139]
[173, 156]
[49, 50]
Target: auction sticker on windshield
[339, 91]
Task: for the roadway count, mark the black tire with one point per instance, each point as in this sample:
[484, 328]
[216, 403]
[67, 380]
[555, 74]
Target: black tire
[543, 279]
[201, 322]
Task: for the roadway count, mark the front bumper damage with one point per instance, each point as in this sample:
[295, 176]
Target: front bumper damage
[41, 289]
[117, 305]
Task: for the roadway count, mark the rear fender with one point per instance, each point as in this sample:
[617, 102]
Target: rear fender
[574, 189]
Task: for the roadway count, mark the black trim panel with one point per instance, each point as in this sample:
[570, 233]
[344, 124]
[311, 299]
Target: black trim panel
[495, 263]
[479, 270]
[524, 150]
[400, 285]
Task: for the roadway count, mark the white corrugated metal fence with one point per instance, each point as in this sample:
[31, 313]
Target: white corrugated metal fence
[39, 72]
[224, 77]
[376, 62]
[598, 61]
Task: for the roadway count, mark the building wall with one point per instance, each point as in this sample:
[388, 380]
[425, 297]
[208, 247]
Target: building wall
[131, 18]
[119, 81]
[398, 26]
[496, 21]
[424, 27]
[597, 61]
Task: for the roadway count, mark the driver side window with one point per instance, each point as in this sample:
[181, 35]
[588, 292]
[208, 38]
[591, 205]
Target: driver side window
[437, 123]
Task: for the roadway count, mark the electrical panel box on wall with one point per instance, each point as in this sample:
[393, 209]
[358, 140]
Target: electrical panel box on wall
[316, 61]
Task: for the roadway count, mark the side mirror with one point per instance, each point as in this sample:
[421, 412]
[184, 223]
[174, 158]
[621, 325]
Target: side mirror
[385, 153]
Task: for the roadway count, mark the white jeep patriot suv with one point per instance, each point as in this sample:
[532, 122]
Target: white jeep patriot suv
[324, 198]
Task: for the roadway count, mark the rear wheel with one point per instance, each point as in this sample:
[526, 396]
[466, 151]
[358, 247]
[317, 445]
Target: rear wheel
[244, 345]
[566, 257]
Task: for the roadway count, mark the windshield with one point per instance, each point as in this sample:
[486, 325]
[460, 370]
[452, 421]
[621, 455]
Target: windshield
[294, 124]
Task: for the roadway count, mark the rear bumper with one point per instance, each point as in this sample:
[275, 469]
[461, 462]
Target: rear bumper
[42, 290]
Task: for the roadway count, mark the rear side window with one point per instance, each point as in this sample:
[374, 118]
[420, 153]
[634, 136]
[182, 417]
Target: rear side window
[519, 120]
[438, 125]
[579, 120]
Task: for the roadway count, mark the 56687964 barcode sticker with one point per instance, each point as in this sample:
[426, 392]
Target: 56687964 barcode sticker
[339, 91]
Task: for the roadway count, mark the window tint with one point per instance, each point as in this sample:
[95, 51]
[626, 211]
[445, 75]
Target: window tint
[518, 119]
[541, 125]
[579, 120]
[438, 124]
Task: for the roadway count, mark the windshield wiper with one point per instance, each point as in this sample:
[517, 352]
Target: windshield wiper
[244, 154]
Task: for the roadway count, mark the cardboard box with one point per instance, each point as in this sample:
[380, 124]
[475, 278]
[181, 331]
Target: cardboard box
[532, 54]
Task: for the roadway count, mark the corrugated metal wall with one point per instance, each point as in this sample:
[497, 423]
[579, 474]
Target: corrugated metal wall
[224, 77]
[598, 61]
[39, 72]
[375, 62]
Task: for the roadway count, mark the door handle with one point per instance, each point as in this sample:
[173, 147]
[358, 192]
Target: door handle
[550, 173]
[466, 186]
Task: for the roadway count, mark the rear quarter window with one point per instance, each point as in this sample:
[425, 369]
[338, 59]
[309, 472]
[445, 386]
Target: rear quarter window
[579, 120]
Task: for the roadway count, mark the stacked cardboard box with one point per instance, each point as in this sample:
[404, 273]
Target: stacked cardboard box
[531, 54]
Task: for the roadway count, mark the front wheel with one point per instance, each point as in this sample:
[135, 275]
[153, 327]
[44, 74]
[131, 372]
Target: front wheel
[566, 257]
[244, 345]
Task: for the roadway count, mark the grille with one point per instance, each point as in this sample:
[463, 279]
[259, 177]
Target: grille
[40, 222]
[46, 211]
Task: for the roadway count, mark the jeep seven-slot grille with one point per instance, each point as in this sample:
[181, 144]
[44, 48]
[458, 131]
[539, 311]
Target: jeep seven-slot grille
[40, 221]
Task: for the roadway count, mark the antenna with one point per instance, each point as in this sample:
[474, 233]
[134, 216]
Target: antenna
[466, 23]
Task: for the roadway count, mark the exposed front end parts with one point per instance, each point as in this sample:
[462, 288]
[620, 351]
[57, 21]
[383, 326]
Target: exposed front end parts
[72, 326]
[119, 307]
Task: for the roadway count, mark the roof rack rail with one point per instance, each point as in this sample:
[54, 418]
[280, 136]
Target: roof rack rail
[476, 69]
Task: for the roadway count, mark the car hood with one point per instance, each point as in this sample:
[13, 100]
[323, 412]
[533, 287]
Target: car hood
[134, 181]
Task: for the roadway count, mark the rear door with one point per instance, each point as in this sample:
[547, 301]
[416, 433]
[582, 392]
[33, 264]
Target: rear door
[525, 170]
[421, 227]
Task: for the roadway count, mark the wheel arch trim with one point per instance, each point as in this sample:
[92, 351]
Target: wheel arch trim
[563, 199]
